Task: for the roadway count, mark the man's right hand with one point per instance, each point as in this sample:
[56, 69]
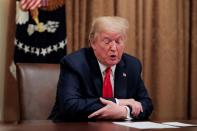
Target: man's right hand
[111, 111]
[135, 105]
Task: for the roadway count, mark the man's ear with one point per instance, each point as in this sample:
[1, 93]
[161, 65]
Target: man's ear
[92, 43]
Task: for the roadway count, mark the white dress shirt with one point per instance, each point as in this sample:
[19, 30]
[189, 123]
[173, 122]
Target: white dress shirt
[112, 77]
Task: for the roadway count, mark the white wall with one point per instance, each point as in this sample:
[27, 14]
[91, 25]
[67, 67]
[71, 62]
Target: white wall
[4, 12]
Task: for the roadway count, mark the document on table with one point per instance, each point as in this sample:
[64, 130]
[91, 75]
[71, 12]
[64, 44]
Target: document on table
[144, 125]
[178, 124]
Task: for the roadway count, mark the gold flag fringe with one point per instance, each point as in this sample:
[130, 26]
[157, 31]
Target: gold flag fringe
[54, 4]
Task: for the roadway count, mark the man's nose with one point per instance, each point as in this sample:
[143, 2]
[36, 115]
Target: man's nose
[113, 45]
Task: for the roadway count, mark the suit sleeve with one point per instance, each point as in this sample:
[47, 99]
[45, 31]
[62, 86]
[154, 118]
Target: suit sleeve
[145, 100]
[72, 103]
[143, 97]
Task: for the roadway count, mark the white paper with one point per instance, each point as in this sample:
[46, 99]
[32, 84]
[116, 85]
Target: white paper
[179, 124]
[144, 125]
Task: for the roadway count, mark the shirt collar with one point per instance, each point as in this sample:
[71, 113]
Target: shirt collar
[104, 67]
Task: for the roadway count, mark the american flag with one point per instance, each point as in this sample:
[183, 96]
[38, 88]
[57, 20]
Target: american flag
[34, 3]
[40, 38]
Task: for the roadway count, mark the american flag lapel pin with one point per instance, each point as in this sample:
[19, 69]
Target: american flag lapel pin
[124, 74]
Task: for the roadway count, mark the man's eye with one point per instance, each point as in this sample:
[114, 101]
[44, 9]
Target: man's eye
[106, 41]
[119, 41]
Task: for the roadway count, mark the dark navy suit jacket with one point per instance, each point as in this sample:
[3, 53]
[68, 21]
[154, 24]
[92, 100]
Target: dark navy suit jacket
[80, 86]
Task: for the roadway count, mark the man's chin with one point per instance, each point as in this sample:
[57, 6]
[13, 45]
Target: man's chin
[113, 62]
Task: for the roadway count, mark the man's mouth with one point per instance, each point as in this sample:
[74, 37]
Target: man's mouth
[113, 57]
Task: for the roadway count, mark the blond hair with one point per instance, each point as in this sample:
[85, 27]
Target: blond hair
[108, 23]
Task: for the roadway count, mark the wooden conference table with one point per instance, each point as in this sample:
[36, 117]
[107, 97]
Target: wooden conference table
[47, 125]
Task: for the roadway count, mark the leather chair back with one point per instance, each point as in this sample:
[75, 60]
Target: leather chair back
[37, 85]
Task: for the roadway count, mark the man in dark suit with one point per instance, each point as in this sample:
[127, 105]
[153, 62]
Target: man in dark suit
[102, 82]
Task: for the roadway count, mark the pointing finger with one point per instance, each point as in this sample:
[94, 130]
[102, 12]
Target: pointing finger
[105, 102]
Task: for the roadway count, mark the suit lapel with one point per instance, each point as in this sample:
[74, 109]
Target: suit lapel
[120, 83]
[95, 73]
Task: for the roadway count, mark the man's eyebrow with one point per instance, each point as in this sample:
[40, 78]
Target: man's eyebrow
[106, 37]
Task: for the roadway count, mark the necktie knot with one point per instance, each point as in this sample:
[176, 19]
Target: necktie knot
[108, 71]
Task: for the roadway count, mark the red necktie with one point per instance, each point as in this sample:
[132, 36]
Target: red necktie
[107, 87]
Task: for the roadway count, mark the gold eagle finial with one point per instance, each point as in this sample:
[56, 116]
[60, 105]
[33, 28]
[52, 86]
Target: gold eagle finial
[53, 4]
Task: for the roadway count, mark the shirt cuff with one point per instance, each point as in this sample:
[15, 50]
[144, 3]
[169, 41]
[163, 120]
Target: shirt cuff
[128, 114]
[128, 118]
[117, 101]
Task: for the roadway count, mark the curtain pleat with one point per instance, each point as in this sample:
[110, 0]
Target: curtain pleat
[193, 62]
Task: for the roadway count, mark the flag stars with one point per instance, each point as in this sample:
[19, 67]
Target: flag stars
[26, 49]
[40, 51]
[20, 45]
[37, 51]
[62, 44]
[49, 50]
[55, 48]
[44, 51]
[32, 49]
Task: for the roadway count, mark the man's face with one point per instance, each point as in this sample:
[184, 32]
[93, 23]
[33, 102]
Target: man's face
[108, 47]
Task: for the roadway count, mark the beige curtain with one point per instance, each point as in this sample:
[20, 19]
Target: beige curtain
[163, 35]
[193, 61]
[11, 106]
[80, 14]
